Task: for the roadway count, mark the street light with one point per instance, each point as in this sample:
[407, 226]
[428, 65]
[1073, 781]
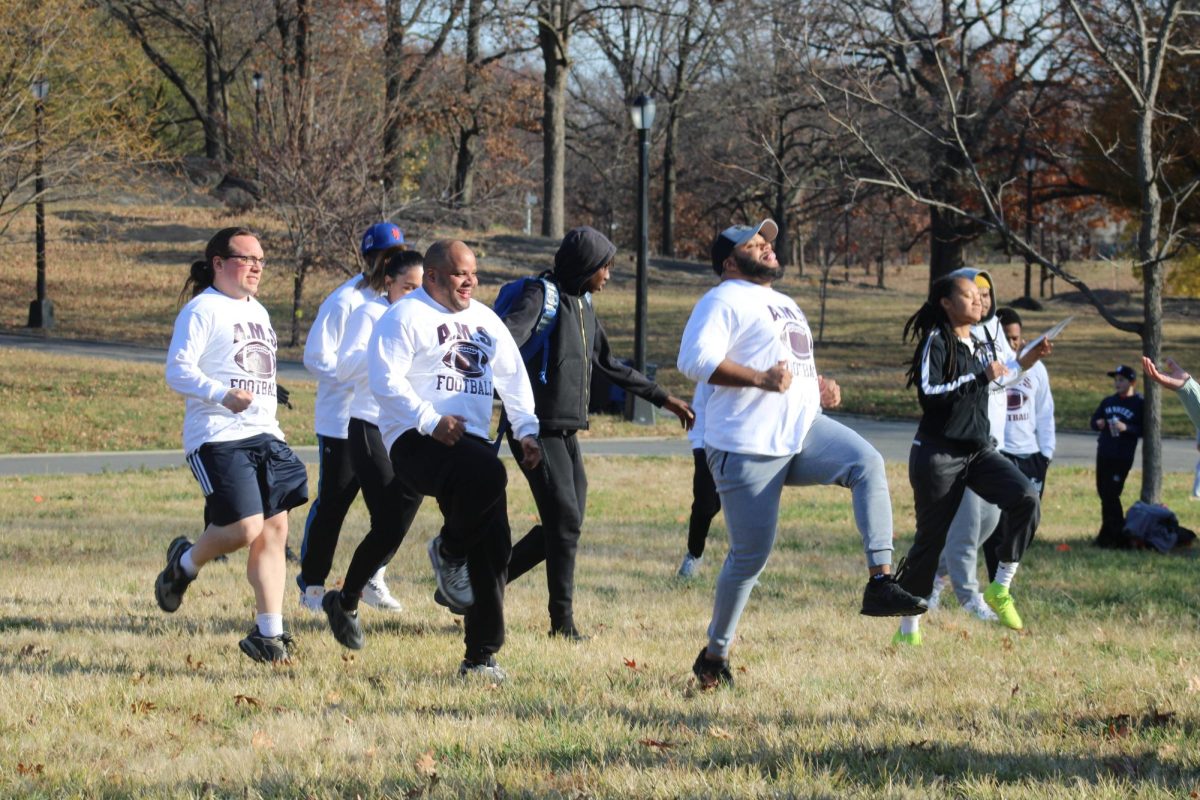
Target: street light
[642, 113]
[257, 80]
[41, 310]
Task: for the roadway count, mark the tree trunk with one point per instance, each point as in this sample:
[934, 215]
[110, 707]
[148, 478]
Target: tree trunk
[553, 38]
[468, 132]
[301, 269]
[212, 99]
[1150, 218]
[782, 245]
[393, 64]
[945, 244]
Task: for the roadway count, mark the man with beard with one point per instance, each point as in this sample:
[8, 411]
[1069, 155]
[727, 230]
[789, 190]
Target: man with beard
[764, 429]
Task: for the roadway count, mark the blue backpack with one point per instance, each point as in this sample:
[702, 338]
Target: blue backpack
[539, 339]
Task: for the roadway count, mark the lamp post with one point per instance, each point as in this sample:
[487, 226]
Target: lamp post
[1030, 166]
[41, 310]
[257, 80]
[641, 111]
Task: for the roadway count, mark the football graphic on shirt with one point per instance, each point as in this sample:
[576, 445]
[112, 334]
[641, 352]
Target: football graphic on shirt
[257, 359]
[1015, 399]
[467, 359]
[797, 339]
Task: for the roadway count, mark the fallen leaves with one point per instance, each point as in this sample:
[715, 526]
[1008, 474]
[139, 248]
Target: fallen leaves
[655, 744]
[246, 700]
[33, 651]
[1063, 547]
[142, 706]
[717, 732]
[30, 769]
[194, 664]
[632, 664]
[426, 765]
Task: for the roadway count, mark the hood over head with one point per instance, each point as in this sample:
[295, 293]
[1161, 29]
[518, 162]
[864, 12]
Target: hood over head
[584, 250]
[983, 279]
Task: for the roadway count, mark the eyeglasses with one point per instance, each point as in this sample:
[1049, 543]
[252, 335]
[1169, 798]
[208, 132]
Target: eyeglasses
[249, 260]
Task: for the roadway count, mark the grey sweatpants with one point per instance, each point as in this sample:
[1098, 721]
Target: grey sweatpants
[972, 524]
[750, 487]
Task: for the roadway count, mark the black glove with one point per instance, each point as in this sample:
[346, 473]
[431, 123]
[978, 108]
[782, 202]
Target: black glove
[283, 396]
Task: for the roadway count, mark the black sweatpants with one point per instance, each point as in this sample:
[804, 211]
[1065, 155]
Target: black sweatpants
[1034, 467]
[939, 472]
[1110, 482]
[705, 503]
[559, 487]
[468, 480]
[337, 487]
[391, 504]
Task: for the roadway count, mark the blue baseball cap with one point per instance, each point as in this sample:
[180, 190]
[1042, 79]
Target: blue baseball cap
[381, 236]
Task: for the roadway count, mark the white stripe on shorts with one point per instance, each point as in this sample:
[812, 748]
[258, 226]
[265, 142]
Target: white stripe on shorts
[201, 476]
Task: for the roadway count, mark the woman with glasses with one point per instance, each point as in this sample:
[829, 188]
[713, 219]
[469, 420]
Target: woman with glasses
[222, 360]
[953, 449]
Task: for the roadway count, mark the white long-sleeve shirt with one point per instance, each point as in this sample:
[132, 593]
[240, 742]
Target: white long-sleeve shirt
[331, 411]
[992, 334]
[219, 344]
[425, 362]
[699, 401]
[757, 327]
[1030, 427]
[352, 359]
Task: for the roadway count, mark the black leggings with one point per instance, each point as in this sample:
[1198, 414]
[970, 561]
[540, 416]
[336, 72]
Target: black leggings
[468, 480]
[705, 504]
[940, 472]
[1034, 467]
[391, 505]
[336, 489]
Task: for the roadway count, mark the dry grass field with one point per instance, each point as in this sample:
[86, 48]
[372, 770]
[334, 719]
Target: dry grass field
[107, 697]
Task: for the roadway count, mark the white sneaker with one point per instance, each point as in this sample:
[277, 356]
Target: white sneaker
[310, 599]
[690, 567]
[377, 595]
[979, 607]
[940, 584]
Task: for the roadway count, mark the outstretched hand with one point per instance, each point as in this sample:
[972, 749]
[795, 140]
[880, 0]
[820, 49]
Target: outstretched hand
[1174, 377]
[680, 408]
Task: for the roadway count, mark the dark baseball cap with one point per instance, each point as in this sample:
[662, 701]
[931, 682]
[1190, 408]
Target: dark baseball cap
[1125, 372]
[736, 235]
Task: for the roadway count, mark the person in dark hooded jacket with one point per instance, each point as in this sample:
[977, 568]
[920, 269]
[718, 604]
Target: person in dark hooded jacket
[577, 345]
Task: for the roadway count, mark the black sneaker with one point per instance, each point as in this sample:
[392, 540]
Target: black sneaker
[289, 555]
[884, 597]
[569, 633]
[711, 674]
[344, 624]
[488, 670]
[441, 600]
[172, 582]
[267, 649]
[452, 577]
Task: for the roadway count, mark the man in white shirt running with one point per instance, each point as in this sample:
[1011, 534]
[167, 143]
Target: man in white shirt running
[433, 362]
[764, 429]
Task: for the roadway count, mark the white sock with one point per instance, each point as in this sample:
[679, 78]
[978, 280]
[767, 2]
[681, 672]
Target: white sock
[269, 624]
[1005, 572]
[909, 624]
[187, 565]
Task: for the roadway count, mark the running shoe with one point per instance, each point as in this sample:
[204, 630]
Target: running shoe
[997, 596]
[884, 597]
[452, 577]
[172, 582]
[711, 674]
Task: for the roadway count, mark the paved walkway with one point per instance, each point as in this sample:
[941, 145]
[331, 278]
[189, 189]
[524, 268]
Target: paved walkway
[891, 438]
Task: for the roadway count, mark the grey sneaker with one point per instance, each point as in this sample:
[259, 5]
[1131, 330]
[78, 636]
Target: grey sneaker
[377, 595]
[979, 607]
[172, 582]
[344, 624]
[310, 598]
[441, 600]
[690, 567]
[452, 577]
[488, 669]
[268, 649]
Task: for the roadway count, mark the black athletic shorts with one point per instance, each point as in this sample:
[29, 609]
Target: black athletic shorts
[259, 475]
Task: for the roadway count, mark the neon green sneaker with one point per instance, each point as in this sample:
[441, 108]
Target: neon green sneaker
[996, 595]
[909, 639]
